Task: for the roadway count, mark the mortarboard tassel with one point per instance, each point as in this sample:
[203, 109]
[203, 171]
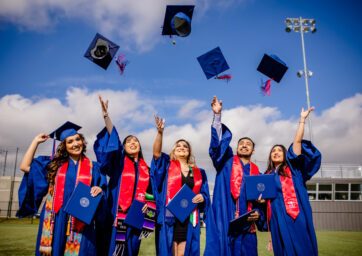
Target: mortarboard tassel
[265, 89]
[53, 150]
[226, 77]
[121, 63]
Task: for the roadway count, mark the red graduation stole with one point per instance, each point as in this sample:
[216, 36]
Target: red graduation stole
[174, 183]
[128, 182]
[54, 202]
[236, 179]
[289, 196]
[237, 174]
[174, 180]
[83, 175]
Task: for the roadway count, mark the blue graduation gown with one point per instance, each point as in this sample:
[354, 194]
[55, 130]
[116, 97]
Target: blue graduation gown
[223, 204]
[296, 237]
[165, 224]
[33, 188]
[110, 154]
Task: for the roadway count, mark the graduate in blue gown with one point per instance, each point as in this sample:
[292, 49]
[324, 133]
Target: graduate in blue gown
[169, 173]
[128, 180]
[291, 222]
[229, 197]
[59, 233]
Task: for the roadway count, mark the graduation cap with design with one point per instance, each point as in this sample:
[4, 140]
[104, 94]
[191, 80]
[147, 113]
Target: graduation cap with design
[213, 63]
[274, 68]
[178, 20]
[101, 51]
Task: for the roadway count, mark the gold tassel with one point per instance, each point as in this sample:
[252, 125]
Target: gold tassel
[68, 227]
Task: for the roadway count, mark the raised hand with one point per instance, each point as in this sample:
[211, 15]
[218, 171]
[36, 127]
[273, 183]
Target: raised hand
[216, 105]
[40, 138]
[104, 105]
[305, 113]
[160, 123]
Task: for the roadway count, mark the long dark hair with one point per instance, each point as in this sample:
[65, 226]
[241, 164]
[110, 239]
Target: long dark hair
[140, 154]
[60, 157]
[282, 166]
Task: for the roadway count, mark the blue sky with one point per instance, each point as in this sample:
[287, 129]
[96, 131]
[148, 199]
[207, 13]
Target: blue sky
[42, 59]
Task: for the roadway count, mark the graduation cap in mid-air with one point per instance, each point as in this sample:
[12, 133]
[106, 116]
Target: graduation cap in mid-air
[178, 20]
[101, 51]
[62, 132]
[272, 67]
[213, 63]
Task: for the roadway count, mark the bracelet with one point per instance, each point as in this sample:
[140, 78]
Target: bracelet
[105, 115]
[301, 122]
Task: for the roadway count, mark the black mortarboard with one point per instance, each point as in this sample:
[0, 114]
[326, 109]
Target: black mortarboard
[64, 131]
[272, 67]
[213, 63]
[101, 51]
[178, 20]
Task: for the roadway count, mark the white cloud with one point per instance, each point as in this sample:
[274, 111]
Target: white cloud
[336, 131]
[189, 108]
[131, 23]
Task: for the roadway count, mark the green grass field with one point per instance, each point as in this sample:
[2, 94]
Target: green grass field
[17, 237]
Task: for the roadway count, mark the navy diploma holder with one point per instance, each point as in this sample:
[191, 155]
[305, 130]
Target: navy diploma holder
[81, 204]
[263, 185]
[181, 204]
[135, 217]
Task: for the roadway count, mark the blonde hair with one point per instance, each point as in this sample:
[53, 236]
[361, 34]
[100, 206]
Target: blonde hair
[190, 159]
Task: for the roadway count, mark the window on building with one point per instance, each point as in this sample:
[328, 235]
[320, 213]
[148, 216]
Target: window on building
[312, 191]
[324, 191]
[356, 192]
[341, 192]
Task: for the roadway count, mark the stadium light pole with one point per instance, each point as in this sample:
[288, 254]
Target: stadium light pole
[302, 25]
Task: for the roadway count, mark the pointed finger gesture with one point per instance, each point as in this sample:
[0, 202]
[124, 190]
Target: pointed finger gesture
[216, 105]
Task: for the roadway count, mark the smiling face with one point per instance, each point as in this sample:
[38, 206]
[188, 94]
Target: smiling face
[74, 145]
[277, 155]
[245, 147]
[132, 146]
[181, 150]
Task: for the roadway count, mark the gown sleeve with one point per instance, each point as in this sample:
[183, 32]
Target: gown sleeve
[307, 163]
[108, 150]
[212, 237]
[100, 180]
[159, 169]
[220, 150]
[205, 193]
[33, 187]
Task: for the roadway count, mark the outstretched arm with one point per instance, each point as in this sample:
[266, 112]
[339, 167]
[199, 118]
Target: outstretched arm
[29, 154]
[216, 106]
[157, 145]
[107, 119]
[297, 144]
